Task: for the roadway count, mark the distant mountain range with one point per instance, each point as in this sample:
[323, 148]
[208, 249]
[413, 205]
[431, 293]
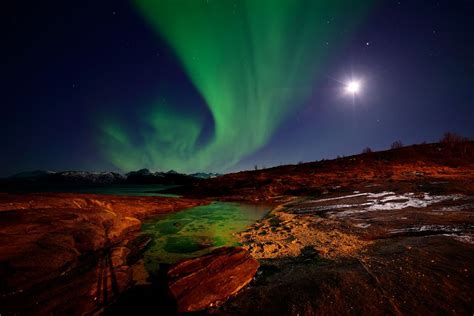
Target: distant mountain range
[143, 176]
[202, 175]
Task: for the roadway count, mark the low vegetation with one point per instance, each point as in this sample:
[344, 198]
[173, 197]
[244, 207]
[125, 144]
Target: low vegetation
[396, 144]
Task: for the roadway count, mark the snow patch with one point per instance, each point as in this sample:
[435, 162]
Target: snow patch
[362, 225]
[339, 198]
[398, 202]
[382, 201]
[381, 194]
[425, 228]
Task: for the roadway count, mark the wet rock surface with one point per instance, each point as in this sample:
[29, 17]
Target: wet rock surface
[199, 283]
[70, 253]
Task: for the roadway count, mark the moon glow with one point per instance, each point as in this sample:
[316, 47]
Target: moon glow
[353, 87]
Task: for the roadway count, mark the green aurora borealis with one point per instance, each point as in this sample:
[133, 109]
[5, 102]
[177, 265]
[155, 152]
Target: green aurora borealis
[252, 61]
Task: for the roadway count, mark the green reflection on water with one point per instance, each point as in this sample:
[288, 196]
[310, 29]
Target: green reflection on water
[196, 231]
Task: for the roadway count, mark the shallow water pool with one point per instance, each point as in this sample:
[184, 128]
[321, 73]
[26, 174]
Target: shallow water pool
[197, 231]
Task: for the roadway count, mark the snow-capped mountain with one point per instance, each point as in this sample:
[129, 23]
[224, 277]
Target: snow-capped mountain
[142, 176]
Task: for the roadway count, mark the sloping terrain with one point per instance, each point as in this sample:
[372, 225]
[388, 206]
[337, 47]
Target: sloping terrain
[375, 234]
[409, 167]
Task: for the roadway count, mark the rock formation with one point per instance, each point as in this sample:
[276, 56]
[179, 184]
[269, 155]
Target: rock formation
[69, 253]
[202, 282]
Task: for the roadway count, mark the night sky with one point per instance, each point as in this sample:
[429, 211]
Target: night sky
[223, 85]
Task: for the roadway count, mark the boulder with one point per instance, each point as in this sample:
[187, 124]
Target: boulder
[199, 283]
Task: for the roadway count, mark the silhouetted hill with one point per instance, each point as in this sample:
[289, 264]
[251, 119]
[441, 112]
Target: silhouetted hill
[145, 176]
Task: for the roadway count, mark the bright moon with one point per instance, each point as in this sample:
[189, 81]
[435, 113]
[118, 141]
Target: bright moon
[353, 87]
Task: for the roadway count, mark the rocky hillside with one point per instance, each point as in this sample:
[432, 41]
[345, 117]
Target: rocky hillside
[412, 164]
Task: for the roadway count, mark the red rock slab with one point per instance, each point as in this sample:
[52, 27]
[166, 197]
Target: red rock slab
[140, 207]
[199, 283]
[59, 248]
